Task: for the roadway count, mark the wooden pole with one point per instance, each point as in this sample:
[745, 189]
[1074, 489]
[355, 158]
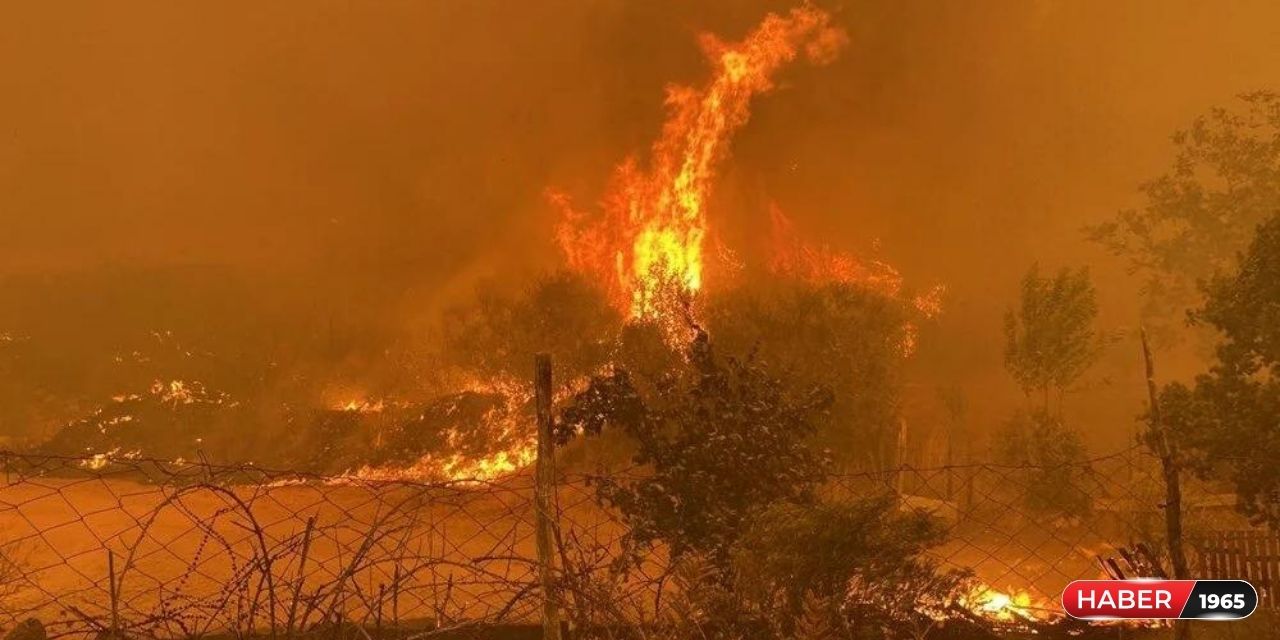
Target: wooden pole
[950, 461]
[1167, 450]
[542, 495]
[114, 595]
[900, 456]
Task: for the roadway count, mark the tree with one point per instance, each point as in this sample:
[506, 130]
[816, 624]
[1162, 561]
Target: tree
[1227, 424]
[720, 438]
[497, 333]
[1048, 458]
[1049, 340]
[858, 335]
[1225, 180]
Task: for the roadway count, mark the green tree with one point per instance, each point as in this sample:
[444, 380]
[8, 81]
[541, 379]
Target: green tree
[1049, 339]
[1224, 181]
[1227, 424]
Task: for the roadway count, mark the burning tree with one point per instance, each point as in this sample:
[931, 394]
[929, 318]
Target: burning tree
[646, 246]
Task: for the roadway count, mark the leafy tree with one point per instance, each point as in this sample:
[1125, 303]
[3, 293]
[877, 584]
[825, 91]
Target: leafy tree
[858, 336]
[498, 333]
[1224, 181]
[1228, 423]
[1048, 457]
[720, 439]
[1049, 339]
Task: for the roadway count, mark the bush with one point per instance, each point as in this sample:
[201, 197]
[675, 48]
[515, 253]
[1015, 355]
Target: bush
[1048, 456]
[824, 570]
[719, 439]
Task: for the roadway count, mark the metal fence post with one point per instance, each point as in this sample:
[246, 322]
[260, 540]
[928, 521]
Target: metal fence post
[544, 475]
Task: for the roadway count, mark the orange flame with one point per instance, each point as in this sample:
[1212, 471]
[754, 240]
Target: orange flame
[647, 244]
[793, 258]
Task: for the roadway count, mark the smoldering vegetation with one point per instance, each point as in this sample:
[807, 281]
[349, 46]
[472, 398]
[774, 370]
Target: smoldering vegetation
[314, 395]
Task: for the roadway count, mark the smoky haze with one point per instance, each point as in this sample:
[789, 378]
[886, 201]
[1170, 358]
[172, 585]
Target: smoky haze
[236, 171]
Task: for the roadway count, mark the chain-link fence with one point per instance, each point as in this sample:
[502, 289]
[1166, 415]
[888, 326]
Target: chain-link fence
[174, 549]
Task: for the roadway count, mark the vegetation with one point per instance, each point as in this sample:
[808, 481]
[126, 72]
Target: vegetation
[858, 336]
[1224, 181]
[1225, 423]
[1047, 457]
[1050, 340]
[497, 333]
[868, 581]
[727, 486]
[721, 438]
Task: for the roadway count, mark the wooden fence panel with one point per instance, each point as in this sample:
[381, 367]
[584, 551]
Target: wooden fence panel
[1242, 555]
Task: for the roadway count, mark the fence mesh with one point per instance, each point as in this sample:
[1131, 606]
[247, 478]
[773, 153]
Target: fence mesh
[167, 549]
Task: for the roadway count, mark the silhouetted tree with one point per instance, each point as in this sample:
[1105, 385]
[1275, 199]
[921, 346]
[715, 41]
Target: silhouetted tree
[1228, 423]
[497, 333]
[719, 438]
[1047, 457]
[839, 336]
[1050, 340]
[1225, 180]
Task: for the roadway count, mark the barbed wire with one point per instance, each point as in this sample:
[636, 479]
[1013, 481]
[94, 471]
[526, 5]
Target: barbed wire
[162, 548]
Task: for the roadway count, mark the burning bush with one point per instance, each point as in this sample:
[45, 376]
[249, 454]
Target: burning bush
[171, 419]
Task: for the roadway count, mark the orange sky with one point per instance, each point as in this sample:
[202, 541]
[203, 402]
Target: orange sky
[403, 147]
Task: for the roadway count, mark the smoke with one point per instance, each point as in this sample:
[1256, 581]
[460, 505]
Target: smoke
[349, 168]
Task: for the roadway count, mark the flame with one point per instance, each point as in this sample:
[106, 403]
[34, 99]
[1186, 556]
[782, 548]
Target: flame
[647, 245]
[511, 437]
[361, 406]
[794, 258]
[1001, 606]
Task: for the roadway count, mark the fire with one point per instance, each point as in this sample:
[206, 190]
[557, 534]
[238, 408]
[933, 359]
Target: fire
[361, 406]
[509, 436]
[794, 258]
[647, 246]
[1000, 606]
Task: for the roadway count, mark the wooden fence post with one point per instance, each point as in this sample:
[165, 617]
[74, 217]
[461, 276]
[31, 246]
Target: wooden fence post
[1167, 449]
[544, 475]
[114, 594]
